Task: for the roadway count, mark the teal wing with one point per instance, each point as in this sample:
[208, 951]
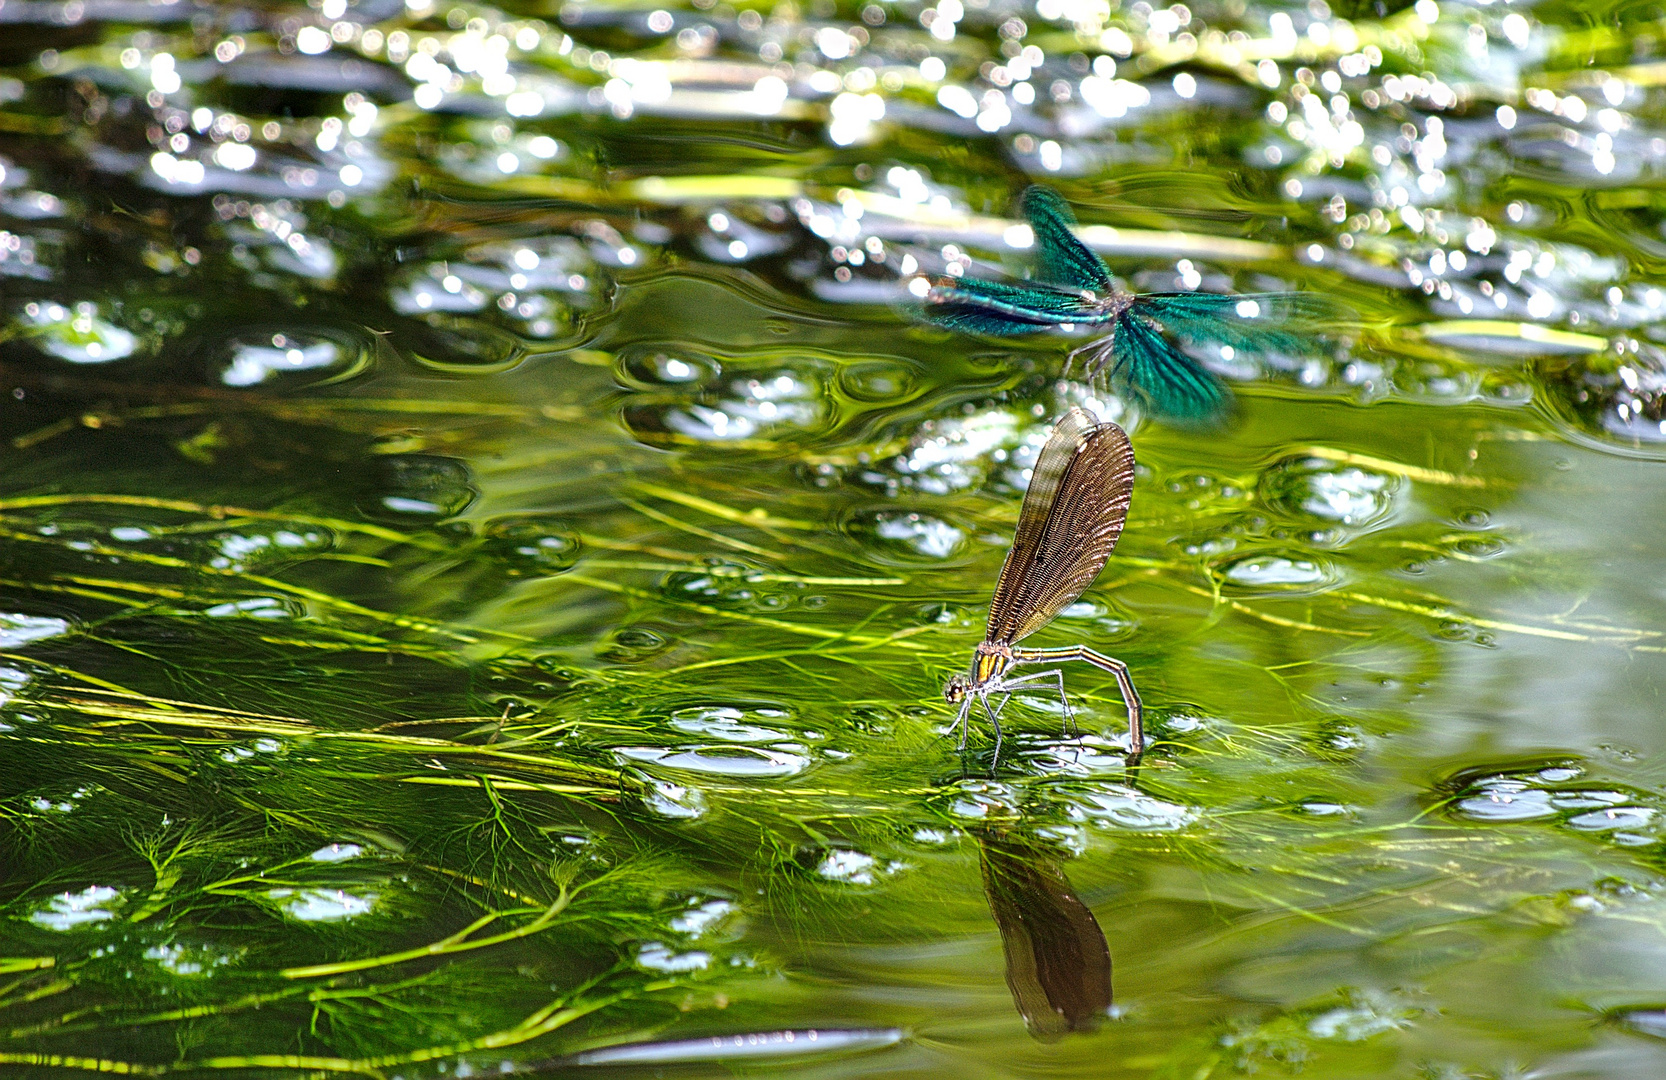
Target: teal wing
[1060, 257]
[1144, 357]
[1166, 380]
[993, 307]
[1250, 322]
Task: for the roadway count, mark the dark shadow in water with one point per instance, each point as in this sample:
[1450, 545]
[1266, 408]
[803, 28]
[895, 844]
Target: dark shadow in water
[1058, 964]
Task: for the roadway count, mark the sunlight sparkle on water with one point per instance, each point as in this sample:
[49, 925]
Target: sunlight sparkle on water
[70, 910]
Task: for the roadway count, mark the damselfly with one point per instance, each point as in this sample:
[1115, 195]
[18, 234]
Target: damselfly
[1139, 351]
[1067, 527]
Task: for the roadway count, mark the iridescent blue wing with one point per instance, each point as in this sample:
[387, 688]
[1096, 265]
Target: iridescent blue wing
[1251, 322]
[1176, 386]
[1060, 257]
[992, 307]
[1166, 380]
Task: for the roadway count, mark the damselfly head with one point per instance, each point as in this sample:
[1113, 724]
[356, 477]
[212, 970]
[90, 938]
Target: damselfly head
[956, 689]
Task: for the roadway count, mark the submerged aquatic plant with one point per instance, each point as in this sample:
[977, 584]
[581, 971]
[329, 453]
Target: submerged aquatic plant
[1075, 288]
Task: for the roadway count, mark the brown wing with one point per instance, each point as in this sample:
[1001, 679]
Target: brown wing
[1058, 965]
[1068, 526]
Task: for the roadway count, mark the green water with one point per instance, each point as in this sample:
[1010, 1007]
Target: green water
[482, 541]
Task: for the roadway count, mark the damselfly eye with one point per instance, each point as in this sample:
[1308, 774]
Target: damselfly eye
[954, 691]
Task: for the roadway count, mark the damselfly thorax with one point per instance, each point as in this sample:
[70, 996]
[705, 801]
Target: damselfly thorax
[1108, 305]
[989, 663]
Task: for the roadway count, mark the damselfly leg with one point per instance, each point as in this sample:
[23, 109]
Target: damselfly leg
[1056, 677]
[994, 720]
[1118, 670]
[963, 718]
[1070, 357]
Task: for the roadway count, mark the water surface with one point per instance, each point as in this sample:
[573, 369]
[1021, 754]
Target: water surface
[481, 543]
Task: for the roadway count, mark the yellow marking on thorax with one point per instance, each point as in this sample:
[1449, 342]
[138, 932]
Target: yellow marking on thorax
[989, 667]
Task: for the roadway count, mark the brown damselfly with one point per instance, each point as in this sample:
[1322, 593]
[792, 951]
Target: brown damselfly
[1067, 527]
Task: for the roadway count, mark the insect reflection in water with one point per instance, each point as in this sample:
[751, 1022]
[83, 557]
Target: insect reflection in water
[1058, 964]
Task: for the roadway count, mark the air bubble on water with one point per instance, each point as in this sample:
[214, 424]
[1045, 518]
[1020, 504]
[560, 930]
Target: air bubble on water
[1368, 1013]
[854, 867]
[322, 905]
[1277, 572]
[724, 760]
[723, 722]
[757, 406]
[703, 917]
[255, 362]
[532, 544]
[1582, 800]
[1320, 488]
[255, 607]
[337, 852]
[1351, 496]
[69, 910]
[434, 288]
[1616, 817]
[922, 534]
[12, 681]
[674, 800]
[658, 956]
[237, 550]
[77, 334]
[17, 629]
[180, 960]
[424, 485]
[955, 453]
[1124, 808]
